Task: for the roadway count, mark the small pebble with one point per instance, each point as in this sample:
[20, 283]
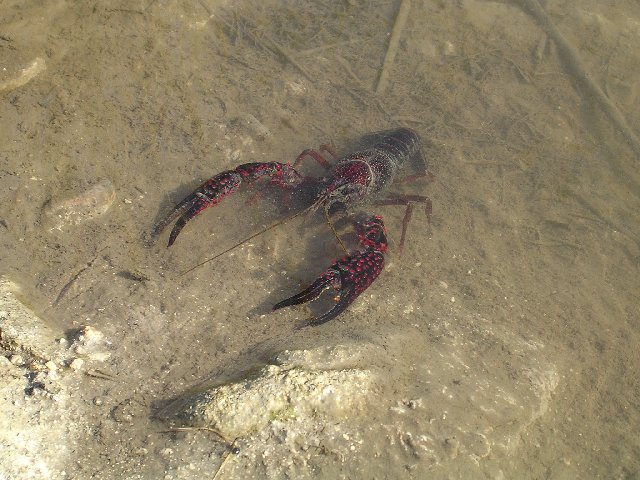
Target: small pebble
[36, 366]
[166, 452]
[448, 49]
[90, 334]
[76, 364]
[16, 359]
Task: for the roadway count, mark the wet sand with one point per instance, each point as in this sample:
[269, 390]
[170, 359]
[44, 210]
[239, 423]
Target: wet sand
[501, 343]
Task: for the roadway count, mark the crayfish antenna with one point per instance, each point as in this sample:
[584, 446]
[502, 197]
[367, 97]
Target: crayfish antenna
[266, 229]
[333, 229]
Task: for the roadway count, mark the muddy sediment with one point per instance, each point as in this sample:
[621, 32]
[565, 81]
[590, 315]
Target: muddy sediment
[500, 343]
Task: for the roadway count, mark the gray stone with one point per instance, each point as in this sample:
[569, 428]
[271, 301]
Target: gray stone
[279, 393]
[22, 332]
[67, 211]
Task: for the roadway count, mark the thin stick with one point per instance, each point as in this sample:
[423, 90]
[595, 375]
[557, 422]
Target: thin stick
[275, 47]
[345, 65]
[556, 244]
[289, 58]
[68, 285]
[231, 445]
[227, 456]
[401, 19]
[95, 373]
[574, 64]
[322, 48]
[270, 227]
[206, 429]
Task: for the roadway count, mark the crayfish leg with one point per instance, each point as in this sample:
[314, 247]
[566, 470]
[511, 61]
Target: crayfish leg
[317, 156]
[409, 202]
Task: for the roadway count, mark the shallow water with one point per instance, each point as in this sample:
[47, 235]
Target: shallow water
[508, 327]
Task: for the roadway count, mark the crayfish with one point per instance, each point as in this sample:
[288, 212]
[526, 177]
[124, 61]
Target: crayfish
[353, 179]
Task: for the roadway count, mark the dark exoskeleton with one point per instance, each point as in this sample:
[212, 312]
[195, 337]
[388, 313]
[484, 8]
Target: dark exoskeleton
[358, 177]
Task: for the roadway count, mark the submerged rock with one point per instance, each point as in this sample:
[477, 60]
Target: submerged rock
[90, 343]
[299, 393]
[92, 203]
[22, 332]
[366, 410]
[37, 429]
[24, 76]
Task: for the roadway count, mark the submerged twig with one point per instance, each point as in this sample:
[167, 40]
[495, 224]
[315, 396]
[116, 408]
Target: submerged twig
[347, 68]
[284, 54]
[328, 46]
[539, 51]
[206, 429]
[229, 444]
[273, 46]
[572, 246]
[392, 49]
[574, 64]
[95, 373]
[69, 284]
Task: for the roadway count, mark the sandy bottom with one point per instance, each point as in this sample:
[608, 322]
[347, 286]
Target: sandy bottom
[502, 342]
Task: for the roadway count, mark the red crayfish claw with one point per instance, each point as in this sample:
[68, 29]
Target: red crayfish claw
[350, 275]
[217, 188]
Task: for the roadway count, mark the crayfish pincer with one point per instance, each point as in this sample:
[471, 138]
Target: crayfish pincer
[356, 178]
